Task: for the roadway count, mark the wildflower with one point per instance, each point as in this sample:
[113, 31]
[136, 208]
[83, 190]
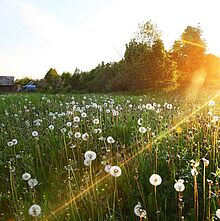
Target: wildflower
[140, 121]
[194, 172]
[63, 130]
[107, 168]
[179, 186]
[169, 106]
[95, 131]
[14, 141]
[76, 119]
[32, 183]
[155, 179]
[90, 155]
[10, 143]
[77, 135]
[107, 111]
[194, 163]
[211, 103]
[115, 171]
[87, 162]
[85, 136]
[142, 130]
[95, 121]
[51, 127]
[205, 161]
[149, 106]
[139, 211]
[69, 124]
[179, 130]
[218, 213]
[110, 140]
[83, 115]
[26, 176]
[34, 210]
[34, 133]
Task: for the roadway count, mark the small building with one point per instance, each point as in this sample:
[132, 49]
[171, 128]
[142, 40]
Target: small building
[6, 83]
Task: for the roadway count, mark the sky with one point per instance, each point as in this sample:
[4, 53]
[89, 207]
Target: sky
[36, 35]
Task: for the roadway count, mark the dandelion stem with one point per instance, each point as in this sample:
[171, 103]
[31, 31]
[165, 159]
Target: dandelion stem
[204, 198]
[155, 195]
[114, 197]
[196, 208]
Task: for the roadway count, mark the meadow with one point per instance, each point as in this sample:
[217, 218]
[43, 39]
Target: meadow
[109, 157]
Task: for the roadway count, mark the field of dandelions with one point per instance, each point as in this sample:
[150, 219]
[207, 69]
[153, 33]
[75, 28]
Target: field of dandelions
[109, 157]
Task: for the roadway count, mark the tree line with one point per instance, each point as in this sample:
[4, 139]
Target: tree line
[146, 64]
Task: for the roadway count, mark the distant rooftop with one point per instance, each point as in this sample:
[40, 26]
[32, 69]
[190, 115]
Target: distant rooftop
[6, 80]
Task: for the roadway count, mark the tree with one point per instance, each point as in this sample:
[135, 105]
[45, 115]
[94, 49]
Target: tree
[147, 62]
[66, 80]
[23, 81]
[212, 69]
[52, 79]
[189, 53]
[147, 33]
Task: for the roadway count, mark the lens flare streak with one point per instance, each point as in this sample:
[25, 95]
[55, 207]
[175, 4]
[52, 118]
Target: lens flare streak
[103, 178]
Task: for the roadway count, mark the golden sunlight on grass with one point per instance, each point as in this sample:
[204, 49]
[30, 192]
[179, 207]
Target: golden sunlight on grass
[198, 80]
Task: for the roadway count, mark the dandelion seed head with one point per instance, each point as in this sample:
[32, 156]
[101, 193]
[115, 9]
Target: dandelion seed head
[77, 135]
[34, 210]
[115, 171]
[217, 213]
[107, 168]
[90, 155]
[179, 186]
[34, 133]
[139, 211]
[110, 140]
[155, 179]
[32, 182]
[26, 176]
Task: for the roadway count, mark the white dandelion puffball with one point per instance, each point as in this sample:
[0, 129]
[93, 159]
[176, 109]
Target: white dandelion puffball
[205, 161]
[14, 141]
[139, 211]
[26, 176]
[87, 162]
[194, 172]
[77, 135]
[169, 106]
[34, 210]
[140, 121]
[179, 186]
[85, 136]
[95, 121]
[142, 130]
[155, 179]
[90, 155]
[110, 140]
[218, 213]
[83, 115]
[10, 144]
[76, 119]
[32, 183]
[149, 106]
[34, 133]
[211, 103]
[51, 127]
[115, 171]
[69, 124]
[107, 168]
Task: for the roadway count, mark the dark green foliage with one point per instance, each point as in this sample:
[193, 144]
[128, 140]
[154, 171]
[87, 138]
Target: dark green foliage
[146, 65]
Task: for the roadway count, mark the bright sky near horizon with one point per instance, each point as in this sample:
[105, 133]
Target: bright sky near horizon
[36, 35]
